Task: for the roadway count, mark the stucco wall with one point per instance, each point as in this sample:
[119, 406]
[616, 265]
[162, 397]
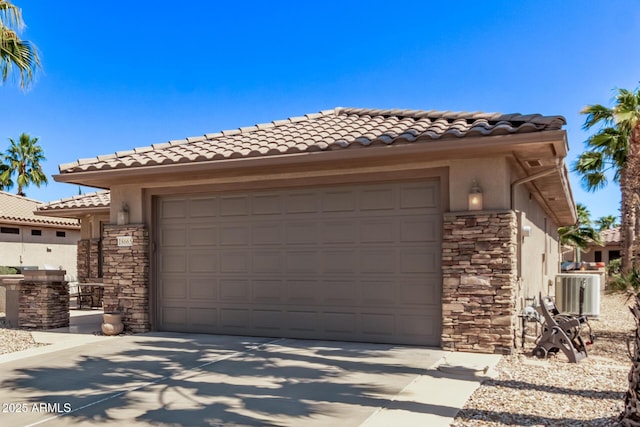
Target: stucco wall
[492, 175]
[539, 259]
[25, 249]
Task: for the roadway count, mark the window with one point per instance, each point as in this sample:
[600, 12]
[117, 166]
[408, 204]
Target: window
[614, 255]
[9, 230]
[597, 256]
[36, 232]
[61, 234]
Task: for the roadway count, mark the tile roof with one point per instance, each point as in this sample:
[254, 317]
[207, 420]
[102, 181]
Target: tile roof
[98, 199]
[610, 236]
[20, 210]
[336, 129]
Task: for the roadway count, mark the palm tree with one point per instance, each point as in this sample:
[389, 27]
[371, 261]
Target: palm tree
[580, 235]
[607, 222]
[23, 158]
[15, 52]
[616, 148]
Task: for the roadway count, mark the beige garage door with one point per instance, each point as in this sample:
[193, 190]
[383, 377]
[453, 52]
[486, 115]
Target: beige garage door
[354, 263]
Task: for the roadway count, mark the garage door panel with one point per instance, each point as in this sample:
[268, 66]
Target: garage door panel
[378, 292]
[202, 261]
[264, 262]
[302, 262]
[340, 261]
[234, 262]
[235, 235]
[301, 233]
[202, 236]
[419, 230]
[204, 289]
[268, 291]
[204, 207]
[234, 206]
[302, 321]
[234, 290]
[302, 291]
[268, 204]
[378, 261]
[377, 199]
[418, 260]
[339, 323]
[339, 231]
[174, 287]
[203, 318]
[302, 202]
[339, 201]
[340, 292]
[359, 262]
[418, 196]
[267, 234]
[173, 262]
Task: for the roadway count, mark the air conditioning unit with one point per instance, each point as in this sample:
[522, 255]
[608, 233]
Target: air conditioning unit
[568, 293]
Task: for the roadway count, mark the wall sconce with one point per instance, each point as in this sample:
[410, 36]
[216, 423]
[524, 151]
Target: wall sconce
[475, 197]
[526, 231]
[123, 215]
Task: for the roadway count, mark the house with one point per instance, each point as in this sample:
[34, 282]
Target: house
[92, 212]
[35, 241]
[611, 247]
[390, 226]
[30, 241]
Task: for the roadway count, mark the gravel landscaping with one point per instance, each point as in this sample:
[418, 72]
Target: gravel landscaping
[14, 339]
[553, 392]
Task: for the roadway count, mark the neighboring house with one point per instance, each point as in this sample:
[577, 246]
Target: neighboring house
[33, 241]
[392, 226]
[92, 210]
[609, 250]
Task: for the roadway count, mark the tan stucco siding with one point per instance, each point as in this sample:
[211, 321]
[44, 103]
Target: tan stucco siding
[539, 259]
[24, 249]
[492, 175]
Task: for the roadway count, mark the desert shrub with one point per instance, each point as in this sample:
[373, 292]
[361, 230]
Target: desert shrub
[614, 267]
[7, 270]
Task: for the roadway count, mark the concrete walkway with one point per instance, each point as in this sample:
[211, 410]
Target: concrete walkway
[169, 379]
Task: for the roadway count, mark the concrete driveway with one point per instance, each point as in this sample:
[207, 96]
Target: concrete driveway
[167, 379]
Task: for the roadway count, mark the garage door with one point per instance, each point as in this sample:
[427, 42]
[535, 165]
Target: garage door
[353, 263]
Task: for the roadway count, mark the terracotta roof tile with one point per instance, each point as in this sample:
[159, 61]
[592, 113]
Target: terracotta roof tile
[610, 236]
[99, 199]
[16, 209]
[335, 129]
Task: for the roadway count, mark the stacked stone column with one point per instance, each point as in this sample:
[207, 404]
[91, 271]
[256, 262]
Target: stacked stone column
[88, 259]
[126, 275]
[479, 272]
[43, 298]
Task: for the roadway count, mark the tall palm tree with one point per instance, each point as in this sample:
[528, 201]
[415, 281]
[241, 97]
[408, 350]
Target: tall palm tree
[615, 148]
[607, 222]
[24, 159]
[580, 235]
[15, 52]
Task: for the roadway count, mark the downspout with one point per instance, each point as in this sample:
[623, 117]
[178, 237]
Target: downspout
[556, 168]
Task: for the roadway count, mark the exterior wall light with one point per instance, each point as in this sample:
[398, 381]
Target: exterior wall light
[123, 215]
[475, 196]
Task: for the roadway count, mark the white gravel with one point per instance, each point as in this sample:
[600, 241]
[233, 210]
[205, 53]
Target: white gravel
[14, 339]
[554, 392]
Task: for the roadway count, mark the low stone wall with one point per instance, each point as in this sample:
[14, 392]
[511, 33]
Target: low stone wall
[43, 300]
[479, 272]
[126, 274]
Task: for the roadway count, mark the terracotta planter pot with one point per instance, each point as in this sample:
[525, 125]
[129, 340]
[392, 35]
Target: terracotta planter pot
[112, 323]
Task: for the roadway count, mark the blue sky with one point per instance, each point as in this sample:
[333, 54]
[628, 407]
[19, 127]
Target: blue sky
[115, 78]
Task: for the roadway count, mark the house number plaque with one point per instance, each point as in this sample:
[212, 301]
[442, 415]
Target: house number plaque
[125, 240]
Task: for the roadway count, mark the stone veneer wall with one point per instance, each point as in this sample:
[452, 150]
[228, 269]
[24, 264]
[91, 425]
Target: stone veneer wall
[126, 275]
[88, 254]
[43, 299]
[479, 274]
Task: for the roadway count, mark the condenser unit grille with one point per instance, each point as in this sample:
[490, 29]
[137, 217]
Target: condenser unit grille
[568, 293]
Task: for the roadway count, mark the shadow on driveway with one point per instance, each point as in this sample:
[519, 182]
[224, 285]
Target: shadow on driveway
[170, 379]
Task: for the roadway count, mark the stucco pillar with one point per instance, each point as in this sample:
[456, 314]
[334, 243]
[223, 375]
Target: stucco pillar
[125, 273]
[479, 274]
